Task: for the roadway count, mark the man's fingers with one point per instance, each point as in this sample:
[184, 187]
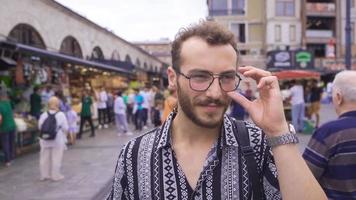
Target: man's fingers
[253, 72]
[243, 101]
[269, 81]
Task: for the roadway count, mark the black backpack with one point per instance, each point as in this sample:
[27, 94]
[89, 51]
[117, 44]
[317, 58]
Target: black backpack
[48, 129]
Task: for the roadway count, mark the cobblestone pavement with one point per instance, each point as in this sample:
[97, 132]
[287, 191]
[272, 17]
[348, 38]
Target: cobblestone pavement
[88, 167]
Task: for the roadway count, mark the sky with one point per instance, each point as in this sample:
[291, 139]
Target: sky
[141, 20]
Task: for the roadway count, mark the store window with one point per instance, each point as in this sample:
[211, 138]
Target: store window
[239, 30]
[128, 59]
[285, 8]
[278, 33]
[138, 63]
[292, 33]
[26, 34]
[97, 54]
[70, 46]
[115, 55]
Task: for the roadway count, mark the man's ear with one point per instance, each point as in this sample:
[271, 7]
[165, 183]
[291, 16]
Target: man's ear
[172, 77]
[339, 98]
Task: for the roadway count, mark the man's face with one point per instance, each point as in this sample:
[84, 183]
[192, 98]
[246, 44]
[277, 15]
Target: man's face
[205, 109]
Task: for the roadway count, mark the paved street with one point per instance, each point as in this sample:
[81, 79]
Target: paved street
[327, 113]
[87, 166]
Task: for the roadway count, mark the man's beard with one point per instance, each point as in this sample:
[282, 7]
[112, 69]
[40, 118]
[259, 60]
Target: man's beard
[189, 109]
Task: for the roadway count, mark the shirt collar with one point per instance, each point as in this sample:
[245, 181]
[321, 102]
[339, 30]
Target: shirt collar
[227, 136]
[349, 114]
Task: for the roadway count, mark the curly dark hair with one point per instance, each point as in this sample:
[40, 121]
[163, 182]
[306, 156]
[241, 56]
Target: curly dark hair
[210, 31]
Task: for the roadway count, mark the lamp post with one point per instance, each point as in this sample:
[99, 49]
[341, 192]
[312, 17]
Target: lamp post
[348, 36]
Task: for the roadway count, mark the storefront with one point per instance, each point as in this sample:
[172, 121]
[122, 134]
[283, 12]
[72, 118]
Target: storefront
[24, 67]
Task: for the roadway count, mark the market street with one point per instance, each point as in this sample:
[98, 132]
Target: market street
[88, 167]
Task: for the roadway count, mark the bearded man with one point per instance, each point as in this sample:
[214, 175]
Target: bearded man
[197, 153]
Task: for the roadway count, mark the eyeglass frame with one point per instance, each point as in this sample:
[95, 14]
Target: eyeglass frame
[212, 81]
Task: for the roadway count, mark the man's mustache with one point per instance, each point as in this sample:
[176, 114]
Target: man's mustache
[209, 101]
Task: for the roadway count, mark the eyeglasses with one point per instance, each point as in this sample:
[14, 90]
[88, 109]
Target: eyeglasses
[201, 81]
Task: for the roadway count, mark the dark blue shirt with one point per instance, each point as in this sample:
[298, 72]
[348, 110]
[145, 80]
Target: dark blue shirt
[331, 156]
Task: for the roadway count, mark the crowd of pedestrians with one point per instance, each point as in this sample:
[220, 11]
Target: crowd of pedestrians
[128, 110]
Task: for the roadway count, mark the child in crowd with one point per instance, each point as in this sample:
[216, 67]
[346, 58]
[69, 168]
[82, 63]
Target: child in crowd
[72, 118]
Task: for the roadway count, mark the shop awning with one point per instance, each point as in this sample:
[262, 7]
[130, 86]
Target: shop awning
[60, 57]
[296, 74]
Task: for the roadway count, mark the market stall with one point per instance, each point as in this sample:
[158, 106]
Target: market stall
[285, 77]
[22, 68]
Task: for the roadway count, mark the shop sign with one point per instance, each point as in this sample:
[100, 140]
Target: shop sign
[298, 59]
[280, 59]
[304, 59]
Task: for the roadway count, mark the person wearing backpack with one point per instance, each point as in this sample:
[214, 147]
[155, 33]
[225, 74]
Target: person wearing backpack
[53, 128]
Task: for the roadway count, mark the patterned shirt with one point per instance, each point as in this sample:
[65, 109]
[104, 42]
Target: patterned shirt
[147, 168]
[331, 156]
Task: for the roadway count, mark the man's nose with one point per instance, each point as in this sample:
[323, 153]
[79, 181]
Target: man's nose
[214, 91]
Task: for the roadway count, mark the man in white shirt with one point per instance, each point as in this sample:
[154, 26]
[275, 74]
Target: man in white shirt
[102, 108]
[120, 115]
[298, 105]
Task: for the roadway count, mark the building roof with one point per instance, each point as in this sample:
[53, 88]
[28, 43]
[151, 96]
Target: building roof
[70, 11]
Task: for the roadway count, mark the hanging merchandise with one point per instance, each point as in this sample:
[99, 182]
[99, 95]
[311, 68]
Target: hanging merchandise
[43, 75]
[19, 73]
[49, 74]
[64, 78]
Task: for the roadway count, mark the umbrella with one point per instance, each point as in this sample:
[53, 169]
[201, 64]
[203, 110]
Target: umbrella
[296, 74]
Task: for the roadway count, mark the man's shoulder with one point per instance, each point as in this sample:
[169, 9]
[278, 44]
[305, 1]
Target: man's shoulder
[333, 127]
[145, 141]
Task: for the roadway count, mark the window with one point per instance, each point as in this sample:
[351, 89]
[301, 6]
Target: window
[238, 7]
[97, 54]
[218, 7]
[239, 30]
[70, 46]
[292, 33]
[278, 33]
[285, 8]
[26, 34]
[226, 7]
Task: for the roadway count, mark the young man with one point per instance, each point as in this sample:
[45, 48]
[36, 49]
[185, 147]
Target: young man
[195, 154]
[331, 152]
[86, 115]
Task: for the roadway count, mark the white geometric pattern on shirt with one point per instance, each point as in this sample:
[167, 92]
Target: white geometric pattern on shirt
[144, 165]
[255, 135]
[209, 187]
[169, 179]
[118, 190]
[129, 171]
[229, 174]
[271, 192]
[182, 183]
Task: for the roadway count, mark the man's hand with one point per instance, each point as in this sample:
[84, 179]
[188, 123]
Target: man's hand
[266, 111]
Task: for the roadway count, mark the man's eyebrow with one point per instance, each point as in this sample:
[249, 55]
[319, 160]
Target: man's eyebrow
[206, 71]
